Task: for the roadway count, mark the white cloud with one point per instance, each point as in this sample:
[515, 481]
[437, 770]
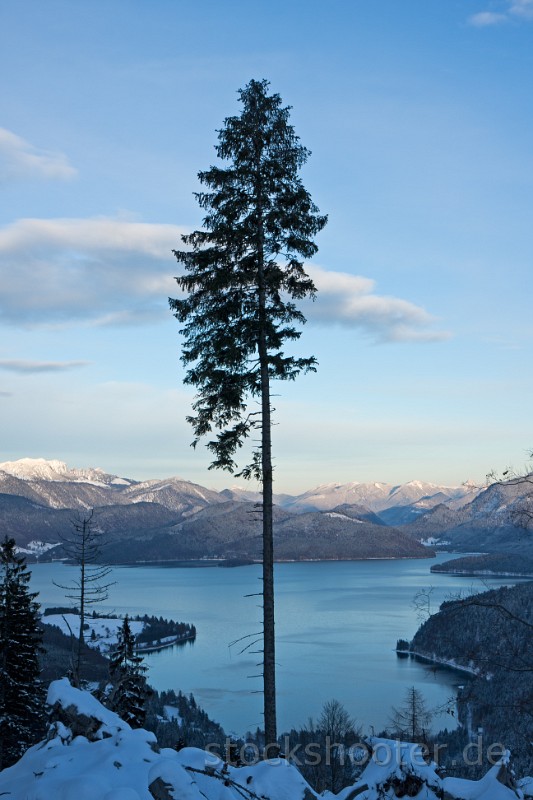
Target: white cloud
[351, 300]
[101, 271]
[486, 18]
[119, 272]
[19, 365]
[522, 8]
[20, 159]
[515, 8]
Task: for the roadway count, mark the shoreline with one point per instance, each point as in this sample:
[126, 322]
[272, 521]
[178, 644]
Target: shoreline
[441, 662]
[155, 648]
[229, 562]
[486, 573]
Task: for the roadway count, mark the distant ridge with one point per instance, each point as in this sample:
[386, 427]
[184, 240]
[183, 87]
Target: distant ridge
[148, 520]
[378, 496]
[374, 496]
[173, 519]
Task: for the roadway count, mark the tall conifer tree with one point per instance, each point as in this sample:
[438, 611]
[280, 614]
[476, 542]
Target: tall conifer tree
[21, 694]
[130, 692]
[244, 270]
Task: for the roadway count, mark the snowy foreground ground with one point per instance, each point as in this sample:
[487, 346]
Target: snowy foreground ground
[113, 762]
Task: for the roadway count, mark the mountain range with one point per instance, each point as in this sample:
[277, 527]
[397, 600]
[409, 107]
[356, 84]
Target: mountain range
[174, 519]
[499, 519]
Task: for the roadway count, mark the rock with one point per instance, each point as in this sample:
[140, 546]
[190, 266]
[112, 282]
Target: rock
[79, 724]
[161, 790]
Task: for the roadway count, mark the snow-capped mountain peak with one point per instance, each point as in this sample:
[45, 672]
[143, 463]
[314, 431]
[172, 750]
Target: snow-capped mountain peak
[31, 469]
[420, 485]
[375, 496]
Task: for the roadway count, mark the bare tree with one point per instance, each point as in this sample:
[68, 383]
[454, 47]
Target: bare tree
[412, 719]
[84, 548]
[327, 743]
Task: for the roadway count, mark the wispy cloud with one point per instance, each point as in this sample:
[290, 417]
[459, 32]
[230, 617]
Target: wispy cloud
[522, 8]
[20, 159]
[117, 272]
[19, 365]
[351, 300]
[97, 271]
[517, 9]
[6, 394]
[484, 19]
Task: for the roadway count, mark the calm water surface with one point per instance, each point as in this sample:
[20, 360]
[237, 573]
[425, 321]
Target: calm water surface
[336, 622]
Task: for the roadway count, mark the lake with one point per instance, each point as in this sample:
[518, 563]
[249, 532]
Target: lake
[337, 623]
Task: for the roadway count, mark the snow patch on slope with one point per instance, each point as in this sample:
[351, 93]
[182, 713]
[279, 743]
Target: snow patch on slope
[105, 630]
[343, 516]
[37, 548]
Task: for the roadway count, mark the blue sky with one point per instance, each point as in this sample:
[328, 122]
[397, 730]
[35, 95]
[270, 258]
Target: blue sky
[419, 116]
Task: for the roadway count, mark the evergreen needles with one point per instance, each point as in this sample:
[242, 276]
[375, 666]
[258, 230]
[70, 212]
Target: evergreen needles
[244, 270]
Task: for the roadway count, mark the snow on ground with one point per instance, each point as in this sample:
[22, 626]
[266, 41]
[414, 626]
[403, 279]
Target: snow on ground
[63, 693]
[343, 516]
[166, 640]
[105, 630]
[122, 763]
[393, 761]
[173, 713]
[36, 548]
[118, 763]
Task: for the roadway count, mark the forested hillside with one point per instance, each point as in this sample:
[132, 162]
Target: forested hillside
[488, 564]
[489, 634]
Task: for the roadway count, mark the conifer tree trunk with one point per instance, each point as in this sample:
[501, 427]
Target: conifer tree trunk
[81, 638]
[269, 646]
[269, 656]
[244, 272]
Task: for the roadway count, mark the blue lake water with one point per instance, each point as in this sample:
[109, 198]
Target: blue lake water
[336, 625]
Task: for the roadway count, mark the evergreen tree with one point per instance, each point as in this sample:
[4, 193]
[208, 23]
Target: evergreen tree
[21, 695]
[244, 271]
[129, 692]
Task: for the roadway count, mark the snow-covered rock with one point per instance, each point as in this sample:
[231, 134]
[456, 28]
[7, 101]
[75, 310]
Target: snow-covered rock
[91, 754]
[78, 713]
[399, 769]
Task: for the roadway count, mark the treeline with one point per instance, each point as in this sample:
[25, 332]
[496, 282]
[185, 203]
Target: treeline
[488, 564]
[483, 631]
[56, 660]
[491, 634]
[189, 726]
[156, 629]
